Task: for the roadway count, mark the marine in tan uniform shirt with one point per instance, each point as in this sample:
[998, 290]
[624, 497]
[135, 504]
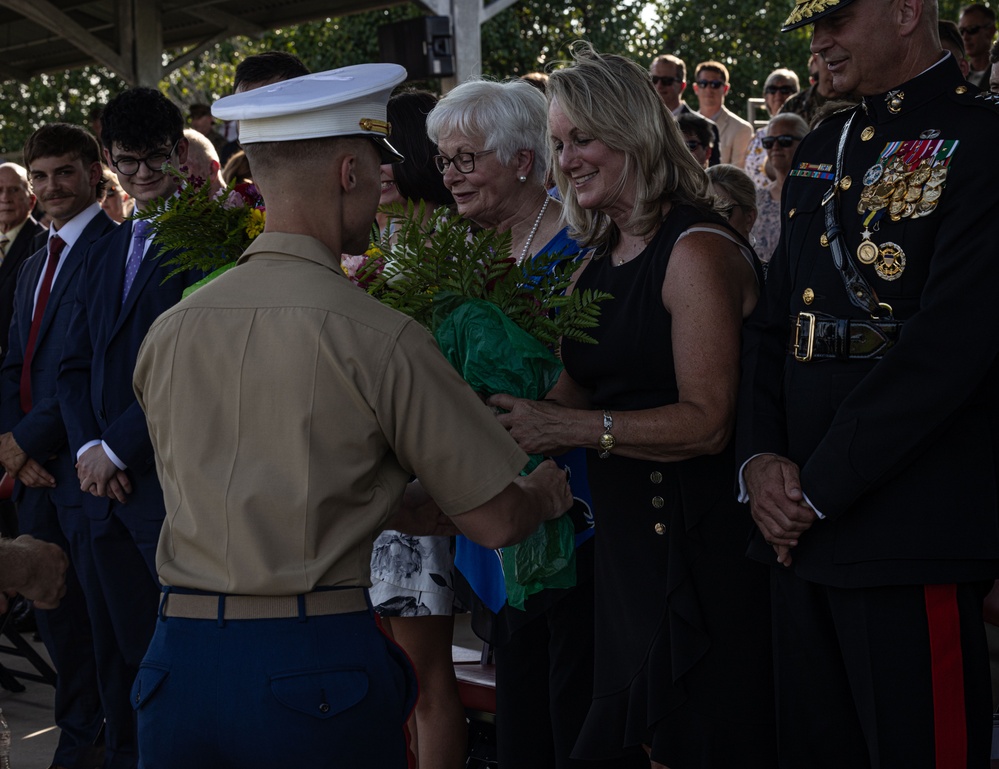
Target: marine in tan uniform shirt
[288, 411]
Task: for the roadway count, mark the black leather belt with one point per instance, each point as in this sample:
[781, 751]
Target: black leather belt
[821, 337]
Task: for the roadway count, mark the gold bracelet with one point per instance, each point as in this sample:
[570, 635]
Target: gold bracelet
[606, 441]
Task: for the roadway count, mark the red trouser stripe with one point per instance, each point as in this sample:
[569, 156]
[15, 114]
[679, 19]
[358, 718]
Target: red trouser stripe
[947, 669]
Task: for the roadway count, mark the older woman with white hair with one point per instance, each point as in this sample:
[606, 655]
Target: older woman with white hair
[493, 144]
[780, 85]
[783, 135]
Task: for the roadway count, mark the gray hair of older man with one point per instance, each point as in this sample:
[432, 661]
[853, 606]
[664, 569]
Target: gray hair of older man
[507, 117]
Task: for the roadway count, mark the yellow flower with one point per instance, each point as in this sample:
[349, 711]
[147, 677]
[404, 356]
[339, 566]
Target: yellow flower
[255, 222]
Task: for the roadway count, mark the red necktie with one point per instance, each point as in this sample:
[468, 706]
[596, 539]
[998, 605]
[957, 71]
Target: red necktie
[56, 245]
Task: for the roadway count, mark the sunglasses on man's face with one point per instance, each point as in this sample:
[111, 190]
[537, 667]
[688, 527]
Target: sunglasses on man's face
[784, 90]
[710, 83]
[966, 31]
[667, 81]
[784, 140]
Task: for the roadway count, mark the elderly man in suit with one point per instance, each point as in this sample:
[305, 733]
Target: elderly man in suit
[19, 236]
[65, 171]
[120, 293]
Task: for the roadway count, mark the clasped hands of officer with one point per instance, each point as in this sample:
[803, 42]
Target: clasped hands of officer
[777, 502]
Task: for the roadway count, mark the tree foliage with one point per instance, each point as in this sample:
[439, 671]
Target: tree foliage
[530, 35]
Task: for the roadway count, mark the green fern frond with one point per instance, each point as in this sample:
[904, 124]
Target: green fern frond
[424, 262]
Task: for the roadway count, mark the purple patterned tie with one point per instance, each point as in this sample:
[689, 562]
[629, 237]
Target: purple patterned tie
[140, 232]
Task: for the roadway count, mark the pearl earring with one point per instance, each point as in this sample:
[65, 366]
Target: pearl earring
[523, 179]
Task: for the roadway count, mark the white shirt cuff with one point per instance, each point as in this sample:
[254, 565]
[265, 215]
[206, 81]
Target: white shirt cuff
[113, 457]
[85, 447]
[744, 493]
[107, 450]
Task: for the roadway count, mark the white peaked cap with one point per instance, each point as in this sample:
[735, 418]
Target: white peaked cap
[349, 101]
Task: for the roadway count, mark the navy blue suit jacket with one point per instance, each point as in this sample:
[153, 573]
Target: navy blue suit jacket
[95, 376]
[41, 433]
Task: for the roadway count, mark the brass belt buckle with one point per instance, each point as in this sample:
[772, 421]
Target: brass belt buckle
[809, 318]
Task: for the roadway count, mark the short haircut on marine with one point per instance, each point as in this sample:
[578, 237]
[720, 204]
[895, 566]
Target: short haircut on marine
[785, 74]
[698, 125]
[715, 65]
[611, 98]
[199, 110]
[296, 157]
[793, 119]
[981, 8]
[56, 139]
[268, 67]
[417, 178]
[676, 61]
[507, 117]
[141, 119]
[736, 184]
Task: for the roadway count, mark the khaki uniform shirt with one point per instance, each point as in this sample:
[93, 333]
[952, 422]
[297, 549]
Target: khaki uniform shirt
[288, 410]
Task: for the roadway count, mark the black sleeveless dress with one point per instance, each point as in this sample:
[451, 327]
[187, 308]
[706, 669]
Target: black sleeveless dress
[683, 649]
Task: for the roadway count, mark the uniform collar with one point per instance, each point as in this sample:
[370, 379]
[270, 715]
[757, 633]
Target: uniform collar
[941, 77]
[292, 245]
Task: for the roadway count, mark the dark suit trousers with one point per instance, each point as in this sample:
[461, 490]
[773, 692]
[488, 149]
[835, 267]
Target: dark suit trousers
[877, 678]
[66, 630]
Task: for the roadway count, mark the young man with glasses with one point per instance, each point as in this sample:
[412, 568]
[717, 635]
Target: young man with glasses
[977, 26]
[711, 84]
[120, 292]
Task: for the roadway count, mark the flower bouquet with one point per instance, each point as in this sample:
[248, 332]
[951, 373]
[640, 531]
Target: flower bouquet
[497, 323]
[207, 231]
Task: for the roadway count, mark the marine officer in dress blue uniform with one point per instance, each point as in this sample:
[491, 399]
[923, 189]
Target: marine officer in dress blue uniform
[869, 418]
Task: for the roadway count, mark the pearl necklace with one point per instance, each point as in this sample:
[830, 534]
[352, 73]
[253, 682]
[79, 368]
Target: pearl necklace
[534, 230]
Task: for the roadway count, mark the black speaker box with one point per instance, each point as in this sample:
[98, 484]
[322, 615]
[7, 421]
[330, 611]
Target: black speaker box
[423, 46]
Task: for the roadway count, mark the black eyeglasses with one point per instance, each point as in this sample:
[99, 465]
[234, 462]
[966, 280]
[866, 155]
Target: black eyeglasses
[154, 162]
[656, 80]
[693, 144]
[784, 90]
[463, 161]
[972, 30]
[710, 83]
[784, 140]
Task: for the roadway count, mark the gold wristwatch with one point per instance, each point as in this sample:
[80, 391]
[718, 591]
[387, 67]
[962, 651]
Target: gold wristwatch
[606, 441]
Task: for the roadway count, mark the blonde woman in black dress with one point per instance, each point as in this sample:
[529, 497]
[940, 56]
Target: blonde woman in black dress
[683, 659]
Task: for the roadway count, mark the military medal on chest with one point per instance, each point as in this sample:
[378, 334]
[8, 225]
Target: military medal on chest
[905, 183]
